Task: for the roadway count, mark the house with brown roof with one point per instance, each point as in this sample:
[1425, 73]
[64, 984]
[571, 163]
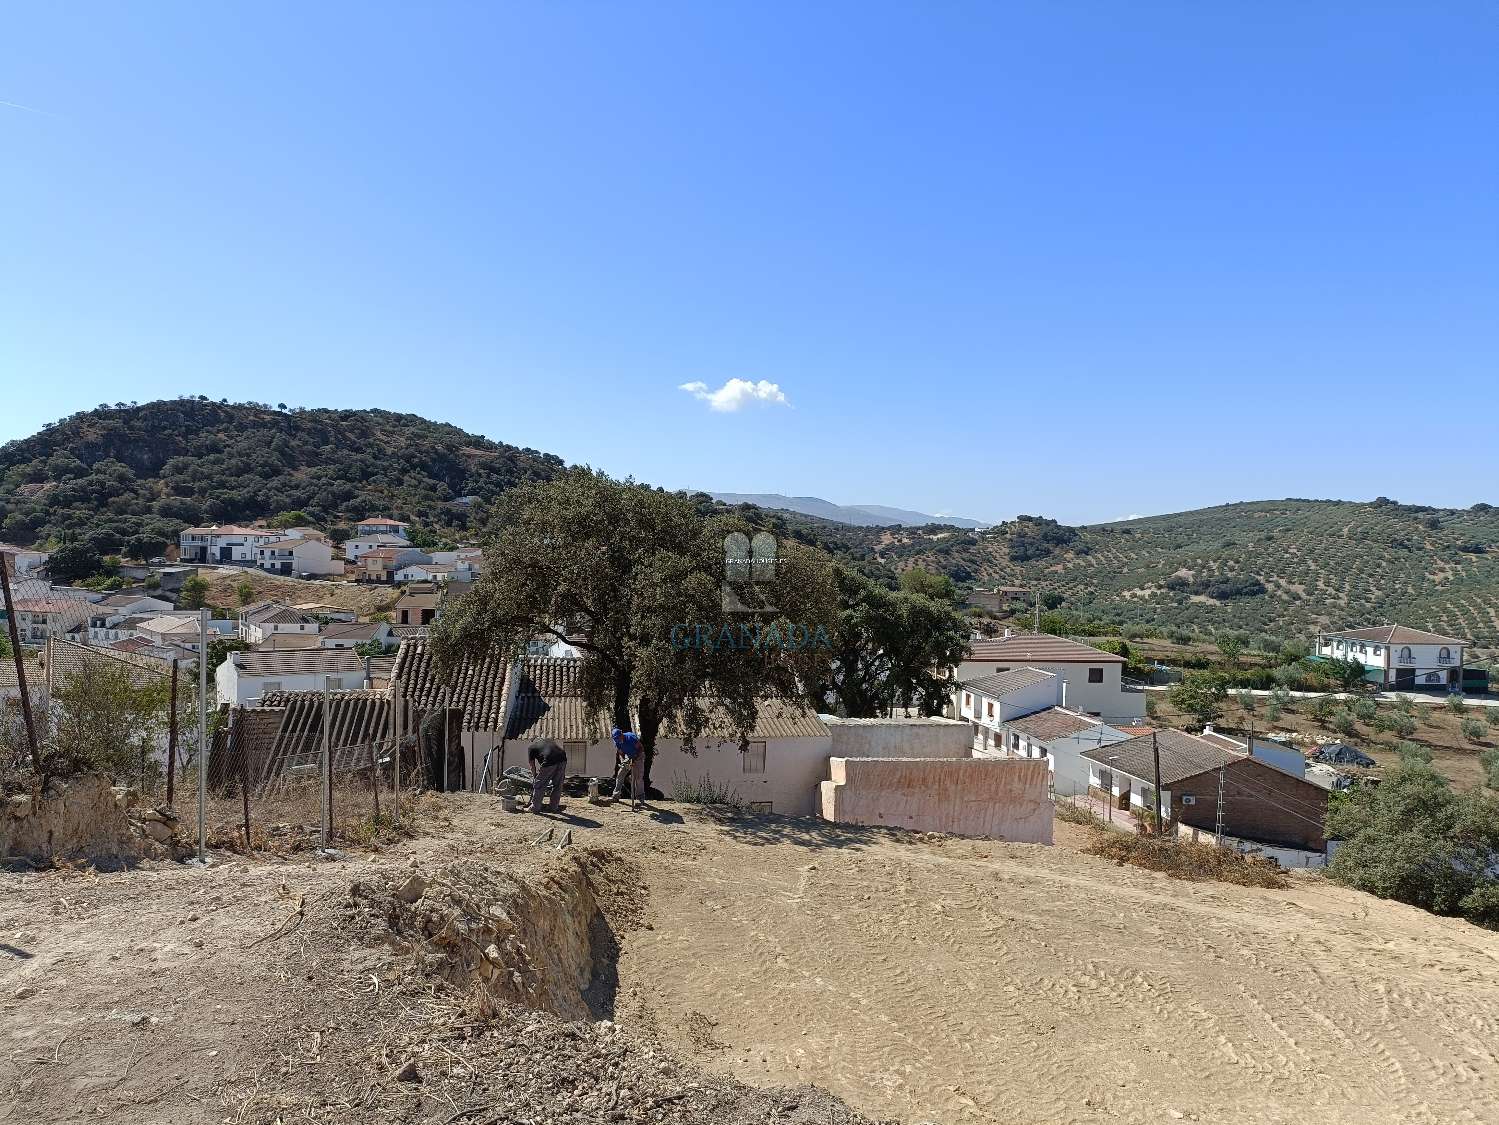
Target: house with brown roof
[382, 563]
[1060, 736]
[259, 620]
[48, 615]
[1092, 681]
[230, 543]
[1398, 658]
[1259, 802]
[382, 525]
[417, 606]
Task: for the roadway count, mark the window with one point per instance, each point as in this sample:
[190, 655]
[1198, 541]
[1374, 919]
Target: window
[1405, 654]
[1445, 656]
[754, 758]
[967, 700]
[577, 757]
[271, 685]
[759, 807]
[1014, 741]
[1095, 675]
[988, 708]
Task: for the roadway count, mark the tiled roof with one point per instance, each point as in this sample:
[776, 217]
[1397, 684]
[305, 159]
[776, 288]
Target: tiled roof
[476, 687]
[409, 632]
[48, 605]
[280, 615]
[381, 519]
[70, 659]
[423, 600]
[309, 662]
[549, 705]
[1051, 723]
[1395, 635]
[1038, 648]
[774, 718]
[167, 623]
[1183, 755]
[1002, 683]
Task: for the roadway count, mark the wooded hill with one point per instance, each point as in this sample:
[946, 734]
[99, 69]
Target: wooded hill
[1281, 567]
[150, 470]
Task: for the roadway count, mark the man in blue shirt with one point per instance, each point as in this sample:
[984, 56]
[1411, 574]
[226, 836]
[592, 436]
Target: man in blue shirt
[631, 762]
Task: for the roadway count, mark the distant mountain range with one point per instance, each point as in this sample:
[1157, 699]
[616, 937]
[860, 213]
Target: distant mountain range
[859, 515]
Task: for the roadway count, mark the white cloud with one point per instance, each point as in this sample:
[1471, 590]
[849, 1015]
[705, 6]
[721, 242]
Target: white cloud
[1121, 519]
[736, 394]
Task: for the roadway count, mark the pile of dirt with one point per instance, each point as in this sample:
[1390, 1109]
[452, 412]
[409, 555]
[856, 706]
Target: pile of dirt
[1186, 859]
[472, 991]
[538, 941]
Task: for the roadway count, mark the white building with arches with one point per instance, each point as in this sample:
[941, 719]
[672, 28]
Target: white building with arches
[1397, 658]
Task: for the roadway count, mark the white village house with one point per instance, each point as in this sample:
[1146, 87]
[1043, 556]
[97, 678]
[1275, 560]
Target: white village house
[354, 549]
[245, 676]
[260, 619]
[1398, 658]
[228, 544]
[1093, 680]
[988, 702]
[296, 556]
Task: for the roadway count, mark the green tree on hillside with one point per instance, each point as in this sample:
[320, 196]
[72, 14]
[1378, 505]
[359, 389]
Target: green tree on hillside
[244, 591]
[1200, 695]
[194, 593]
[938, 587]
[73, 562]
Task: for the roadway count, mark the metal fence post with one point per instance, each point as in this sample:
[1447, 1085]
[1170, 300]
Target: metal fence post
[326, 775]
[398, 723]
[202, 733]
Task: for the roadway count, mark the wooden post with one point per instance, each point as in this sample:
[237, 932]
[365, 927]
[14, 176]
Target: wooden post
[375, 782]
[15, 651]
[398, 723]
[1155, 750]
[172, 736]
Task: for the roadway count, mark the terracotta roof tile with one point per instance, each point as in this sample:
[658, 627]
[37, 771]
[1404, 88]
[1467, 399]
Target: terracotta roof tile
[1038, 648]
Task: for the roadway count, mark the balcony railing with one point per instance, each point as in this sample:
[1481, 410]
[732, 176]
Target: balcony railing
[1445, 660]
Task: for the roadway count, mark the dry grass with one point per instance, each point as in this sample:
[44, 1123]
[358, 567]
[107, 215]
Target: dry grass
[1183, 859]
[351, 596]
[289, 820]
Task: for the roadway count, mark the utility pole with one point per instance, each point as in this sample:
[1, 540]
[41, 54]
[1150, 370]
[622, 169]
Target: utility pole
[15, 651]
[1155, 752]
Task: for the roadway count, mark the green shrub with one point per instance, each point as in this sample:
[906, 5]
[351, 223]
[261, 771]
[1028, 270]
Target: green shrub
[1324, 707]
[1412, 839]
[1402, 725]
[1456, 705]
[1246, 699]
[705, 791]
[1365, 710]
[1489, 759]
[1273, 711]
[1474, 730]
[1413, 751]
[1343, 723]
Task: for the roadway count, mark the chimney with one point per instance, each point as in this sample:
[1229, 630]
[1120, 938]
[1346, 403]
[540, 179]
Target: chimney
[1007, 633]
[1207, 728]
[1064, 693]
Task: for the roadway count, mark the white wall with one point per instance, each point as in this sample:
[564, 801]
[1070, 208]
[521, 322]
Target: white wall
[899, 738]
[1107, 699]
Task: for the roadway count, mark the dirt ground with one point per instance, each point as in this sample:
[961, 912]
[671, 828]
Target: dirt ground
[722, 971]
[223, 584]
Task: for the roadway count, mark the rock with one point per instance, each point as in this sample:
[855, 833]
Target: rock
[25, 992]
[411, 889]
[408, 1072]
[157, 830]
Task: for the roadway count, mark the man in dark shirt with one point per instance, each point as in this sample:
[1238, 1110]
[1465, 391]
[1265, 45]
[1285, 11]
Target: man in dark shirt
[549, 768]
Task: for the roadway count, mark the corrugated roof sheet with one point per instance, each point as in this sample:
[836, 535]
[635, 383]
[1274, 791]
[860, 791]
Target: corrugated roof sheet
[70, 658]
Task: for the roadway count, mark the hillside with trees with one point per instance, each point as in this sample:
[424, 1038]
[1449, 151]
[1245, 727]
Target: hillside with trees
[1281, 567]
[129, 477]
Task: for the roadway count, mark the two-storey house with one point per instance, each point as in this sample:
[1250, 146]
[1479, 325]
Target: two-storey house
[1396, 657]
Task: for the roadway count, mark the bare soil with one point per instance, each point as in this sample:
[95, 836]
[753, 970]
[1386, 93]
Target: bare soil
[679, 967]
[363, 599]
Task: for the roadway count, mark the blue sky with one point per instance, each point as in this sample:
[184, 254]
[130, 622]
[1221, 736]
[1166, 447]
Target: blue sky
[1075, 259]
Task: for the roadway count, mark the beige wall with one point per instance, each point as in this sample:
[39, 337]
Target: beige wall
[900, 738]
[999, 798]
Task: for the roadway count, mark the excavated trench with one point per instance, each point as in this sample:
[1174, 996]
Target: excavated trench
[545, 940]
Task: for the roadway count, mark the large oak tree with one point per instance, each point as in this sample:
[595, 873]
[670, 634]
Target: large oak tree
[633, 577]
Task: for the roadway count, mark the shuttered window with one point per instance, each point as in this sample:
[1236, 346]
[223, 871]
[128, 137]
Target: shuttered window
[754, 758]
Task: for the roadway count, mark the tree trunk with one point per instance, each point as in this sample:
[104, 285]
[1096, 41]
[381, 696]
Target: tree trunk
[650, 725]
[622, 700]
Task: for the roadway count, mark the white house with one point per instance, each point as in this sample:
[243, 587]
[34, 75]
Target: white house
[38, 618]
[325, 611]
[1395, 657]
[380, 525]
[1060, 736]
[228, 544]
[24, 562]
[107, 618]
[988, 702]
[245, 676]
[1093, 680]
[293, 556]
[423, 572]
[261, 619]
[356, 548]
